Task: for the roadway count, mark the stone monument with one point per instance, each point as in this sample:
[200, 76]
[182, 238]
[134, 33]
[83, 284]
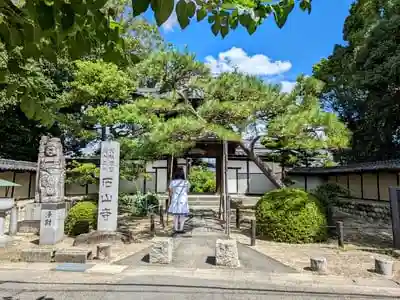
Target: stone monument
[50, 182]
[108, 186]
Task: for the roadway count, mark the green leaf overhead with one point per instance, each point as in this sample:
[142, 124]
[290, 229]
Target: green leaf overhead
[183, 11]
[233, 9]
[281, 11]
[140, 6]
[163, 11]
[201, 14]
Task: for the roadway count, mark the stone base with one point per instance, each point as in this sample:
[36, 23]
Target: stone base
[29, 226]
[79, 256]
[384, 266]
[97, 237]
[37, 255]
[52, 223]
[226, 253]
[103, 251]
[161, 251]
[6, 241]
[319, 264]
[33, 211]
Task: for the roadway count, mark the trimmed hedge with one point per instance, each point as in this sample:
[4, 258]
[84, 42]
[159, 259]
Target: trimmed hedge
[292, 216]
[82, 217]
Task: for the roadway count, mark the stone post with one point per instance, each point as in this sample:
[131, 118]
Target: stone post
[394, 198]
[108, 186]
[50, 191]
[13, 221]
[4, 239]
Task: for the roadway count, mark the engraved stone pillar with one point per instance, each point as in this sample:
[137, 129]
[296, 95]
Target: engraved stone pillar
[13, 221]
[108, 185]
[50, 190]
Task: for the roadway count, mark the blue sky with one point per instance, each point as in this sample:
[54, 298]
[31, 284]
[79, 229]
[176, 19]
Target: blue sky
[278, 55]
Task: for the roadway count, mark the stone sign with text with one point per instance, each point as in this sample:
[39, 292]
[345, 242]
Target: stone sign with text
[108, 186]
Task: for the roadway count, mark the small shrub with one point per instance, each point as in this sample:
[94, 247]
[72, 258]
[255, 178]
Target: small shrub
[202, 180]
[292, 216]
[81, 218]
[139, 205]
[328, 194]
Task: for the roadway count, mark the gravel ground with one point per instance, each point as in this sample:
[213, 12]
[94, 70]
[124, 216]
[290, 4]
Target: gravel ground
[363, 242]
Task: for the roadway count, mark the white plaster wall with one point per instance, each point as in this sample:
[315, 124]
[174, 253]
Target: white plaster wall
[242, 183]
[232, 181]
[235, 182]
[238, 164]
[312, 182]
[162, 180]
[298, 181]
[260, 184]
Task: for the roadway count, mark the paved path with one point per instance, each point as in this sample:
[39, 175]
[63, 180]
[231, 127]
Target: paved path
[165, 288]
[196, 250]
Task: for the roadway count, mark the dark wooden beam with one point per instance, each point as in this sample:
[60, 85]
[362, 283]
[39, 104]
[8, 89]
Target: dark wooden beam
[12, 189]
[378, 185]
[30, 185]
[305, 183]
[362, 185]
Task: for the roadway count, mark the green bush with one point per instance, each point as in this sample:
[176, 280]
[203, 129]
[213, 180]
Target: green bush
[328, 194]
[81, 218]
[202, 180]
[292, 216]
[139, 205]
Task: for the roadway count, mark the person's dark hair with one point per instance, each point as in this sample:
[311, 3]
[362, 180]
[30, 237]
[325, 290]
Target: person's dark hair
[179, 174]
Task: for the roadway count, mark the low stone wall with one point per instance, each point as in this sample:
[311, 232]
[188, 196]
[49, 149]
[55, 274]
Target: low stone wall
[369, 210]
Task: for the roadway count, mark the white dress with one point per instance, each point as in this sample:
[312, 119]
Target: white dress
[179, 197]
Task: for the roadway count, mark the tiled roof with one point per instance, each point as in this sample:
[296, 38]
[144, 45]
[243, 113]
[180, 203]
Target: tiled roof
[17, 165]
[392, 165]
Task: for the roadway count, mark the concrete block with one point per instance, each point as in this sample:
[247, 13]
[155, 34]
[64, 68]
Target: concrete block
[79, 256]
[226, 253]
[37, 255]
[161, 251]
[319, 264]
[103, 251]
[29, 226]
[384, 266]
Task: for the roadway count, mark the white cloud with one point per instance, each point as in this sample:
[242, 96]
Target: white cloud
[171, 23]
[237, 58]
[287, 86]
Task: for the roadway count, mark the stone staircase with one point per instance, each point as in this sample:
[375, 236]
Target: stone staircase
[211, 202]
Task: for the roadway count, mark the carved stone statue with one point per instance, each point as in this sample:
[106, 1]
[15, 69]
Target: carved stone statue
[51, 171]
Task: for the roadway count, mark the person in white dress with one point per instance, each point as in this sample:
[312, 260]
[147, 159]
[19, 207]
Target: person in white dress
[178, 194]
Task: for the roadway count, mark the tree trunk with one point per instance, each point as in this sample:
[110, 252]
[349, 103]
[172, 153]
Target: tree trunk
[267, 171]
